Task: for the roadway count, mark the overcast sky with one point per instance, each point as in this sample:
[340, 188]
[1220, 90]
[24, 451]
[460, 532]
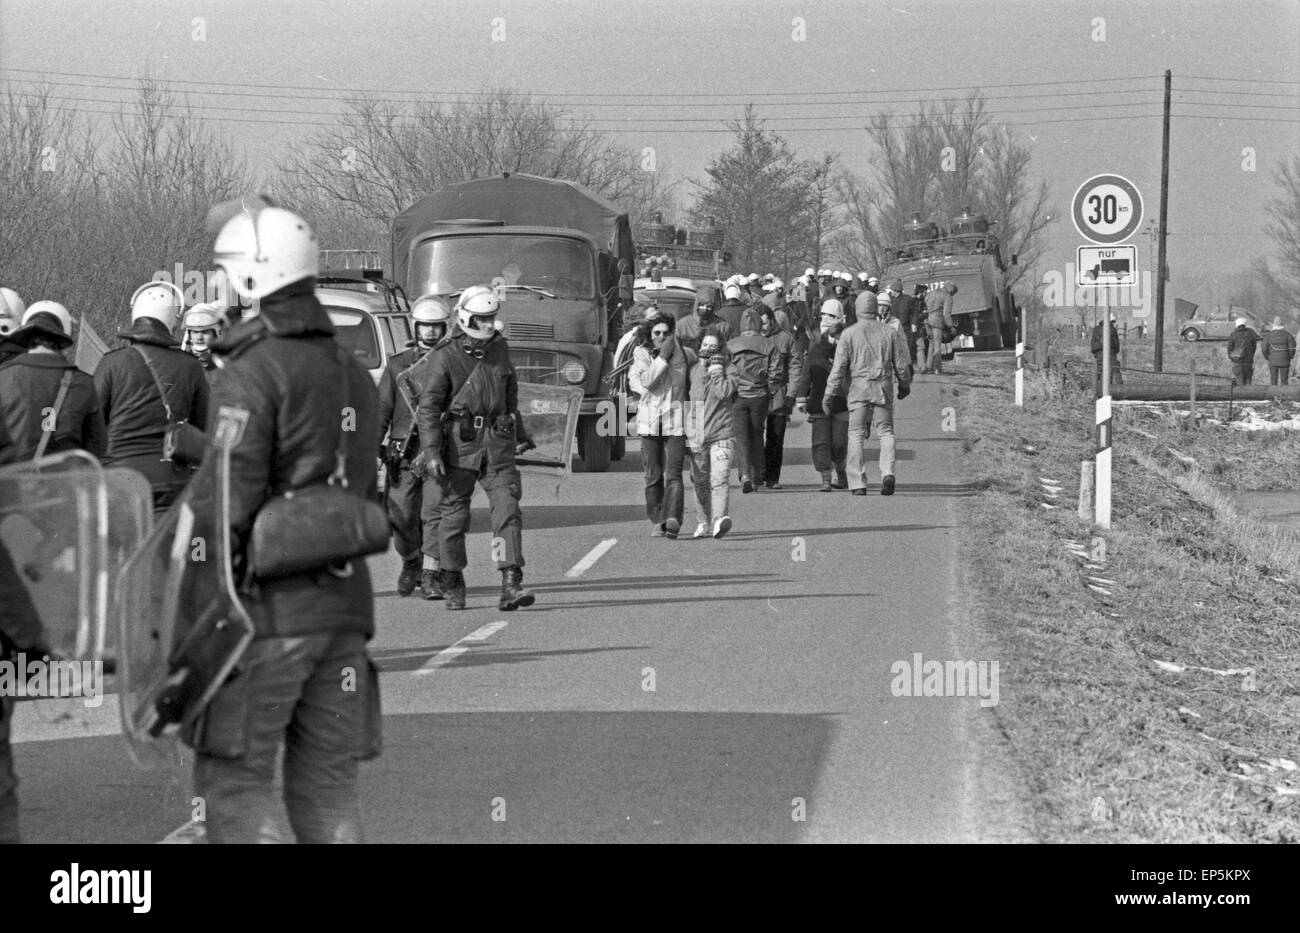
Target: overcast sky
[1084, 80]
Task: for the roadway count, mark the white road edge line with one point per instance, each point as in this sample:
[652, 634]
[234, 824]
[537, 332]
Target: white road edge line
[589, 561]
[447, 655]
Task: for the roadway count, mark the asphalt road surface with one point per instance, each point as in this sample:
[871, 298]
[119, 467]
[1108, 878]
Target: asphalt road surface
[671, 691]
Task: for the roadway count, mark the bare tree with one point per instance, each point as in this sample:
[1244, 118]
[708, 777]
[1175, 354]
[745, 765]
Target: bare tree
[383, 156]
[950, 156]
[1280, 280]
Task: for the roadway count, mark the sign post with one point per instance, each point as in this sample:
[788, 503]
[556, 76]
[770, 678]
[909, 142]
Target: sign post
[1107, 210]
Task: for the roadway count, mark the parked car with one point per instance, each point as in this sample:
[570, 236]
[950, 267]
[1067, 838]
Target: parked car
[370, 313]
[1215, 324]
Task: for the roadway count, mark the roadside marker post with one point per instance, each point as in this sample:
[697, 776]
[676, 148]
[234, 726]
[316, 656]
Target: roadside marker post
[1104, 421]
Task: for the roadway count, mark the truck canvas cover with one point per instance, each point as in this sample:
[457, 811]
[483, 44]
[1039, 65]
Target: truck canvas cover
[517, 200]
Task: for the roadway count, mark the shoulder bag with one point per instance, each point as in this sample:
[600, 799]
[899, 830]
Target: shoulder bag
[182, 441]
[320, 527]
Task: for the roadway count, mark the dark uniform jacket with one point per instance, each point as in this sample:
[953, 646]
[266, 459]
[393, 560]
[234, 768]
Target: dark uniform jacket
[29, 385]
[133, 409]
[690, 330]
[731, 311]
[473, 435]
[1097, 341]
[395, 418]
[282, 390]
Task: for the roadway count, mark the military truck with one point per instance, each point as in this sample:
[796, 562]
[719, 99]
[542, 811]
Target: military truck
[969, 255]
[562, 259]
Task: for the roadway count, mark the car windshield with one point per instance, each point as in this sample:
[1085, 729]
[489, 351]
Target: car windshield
[355, 330]
[556, 265]
[679, 305]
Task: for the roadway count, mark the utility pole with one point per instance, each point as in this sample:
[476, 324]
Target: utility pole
[1164, 216]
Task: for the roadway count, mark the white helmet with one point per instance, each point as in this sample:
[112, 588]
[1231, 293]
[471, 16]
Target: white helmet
[809, 272]
[207, 316]
[430, 309]
[477, 303]
[266, 250]
[52, 308]
[863, 277]
[731, 292]
[11, 311]
[162, 301]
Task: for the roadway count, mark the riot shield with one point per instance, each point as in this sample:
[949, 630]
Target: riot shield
[551, 415]
[182, 625]
[68, 526]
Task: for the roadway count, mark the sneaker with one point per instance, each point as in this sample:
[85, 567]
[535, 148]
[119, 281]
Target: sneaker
[858, 492]
[721, 526]
[657, 531]
[826, 486]
[887, 485]
[671, 527]
[746, 486]
[701, 530]
[774, 486]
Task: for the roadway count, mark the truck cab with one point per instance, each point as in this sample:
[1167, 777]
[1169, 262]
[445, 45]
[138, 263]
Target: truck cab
[560, 258]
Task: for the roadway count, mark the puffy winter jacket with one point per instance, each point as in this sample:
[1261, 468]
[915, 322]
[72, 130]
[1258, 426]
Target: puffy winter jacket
[29, 384]
[663, 386]
[282, 393]
[469, 437]
[1278, 347]
[133, 409]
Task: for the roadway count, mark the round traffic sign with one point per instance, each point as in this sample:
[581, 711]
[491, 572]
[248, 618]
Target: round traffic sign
[1107, 209]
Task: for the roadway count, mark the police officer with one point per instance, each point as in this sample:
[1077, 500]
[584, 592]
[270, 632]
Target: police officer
[306, 680]
[470, 430]
[148, 385]
[203, 325]
[412, 496]
[46, 403]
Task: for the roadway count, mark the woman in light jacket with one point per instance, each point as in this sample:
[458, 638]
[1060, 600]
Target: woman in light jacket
[659, 373]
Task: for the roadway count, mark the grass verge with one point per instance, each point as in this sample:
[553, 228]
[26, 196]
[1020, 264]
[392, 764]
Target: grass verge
[1114, 746]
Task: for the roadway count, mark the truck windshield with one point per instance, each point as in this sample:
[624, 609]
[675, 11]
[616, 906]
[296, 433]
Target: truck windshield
[556, 265]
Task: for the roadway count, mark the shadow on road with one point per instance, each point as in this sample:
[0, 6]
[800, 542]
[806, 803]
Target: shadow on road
[410, 659]
[850, 530]
[731, 600]
[595, 777]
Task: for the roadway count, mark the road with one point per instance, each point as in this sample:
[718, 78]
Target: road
[675, 691]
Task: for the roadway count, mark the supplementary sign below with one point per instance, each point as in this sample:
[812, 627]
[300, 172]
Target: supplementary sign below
[1107, 265]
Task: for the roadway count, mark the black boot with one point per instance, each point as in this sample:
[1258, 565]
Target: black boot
[429, 584]
[409, 577]
[513, 594]
[452, 584]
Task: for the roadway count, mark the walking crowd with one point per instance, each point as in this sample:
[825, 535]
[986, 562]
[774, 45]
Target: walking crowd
[718, 386]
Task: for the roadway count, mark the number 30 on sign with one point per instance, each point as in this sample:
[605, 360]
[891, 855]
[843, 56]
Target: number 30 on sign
[1107, 209]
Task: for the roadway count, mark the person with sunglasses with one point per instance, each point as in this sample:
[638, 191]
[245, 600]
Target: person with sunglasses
[659, 373]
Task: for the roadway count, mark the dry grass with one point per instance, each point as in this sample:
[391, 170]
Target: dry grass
[1114, 748]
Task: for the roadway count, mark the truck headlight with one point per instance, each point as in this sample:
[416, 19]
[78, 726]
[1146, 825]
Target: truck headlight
[574, 372]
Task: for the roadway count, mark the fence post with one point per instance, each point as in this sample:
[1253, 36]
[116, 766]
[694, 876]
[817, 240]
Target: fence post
[1193, 399]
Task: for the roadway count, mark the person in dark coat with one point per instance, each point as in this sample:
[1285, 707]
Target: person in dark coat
[758, 366]
[30, 385]
[732, 308]
[1278, 348]
[136, 411]
[469, 438]
[1241, 352]
[306, 681]
[413, 500]
[830, 429]
[692, 327]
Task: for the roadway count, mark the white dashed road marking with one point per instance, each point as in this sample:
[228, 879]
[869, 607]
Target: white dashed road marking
[589, 561]
[447, 655]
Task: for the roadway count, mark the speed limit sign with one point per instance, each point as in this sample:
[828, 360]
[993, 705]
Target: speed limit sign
[1107, 209]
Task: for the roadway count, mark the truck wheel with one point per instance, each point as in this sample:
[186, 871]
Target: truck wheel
[1191, 335]
[594, 448]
